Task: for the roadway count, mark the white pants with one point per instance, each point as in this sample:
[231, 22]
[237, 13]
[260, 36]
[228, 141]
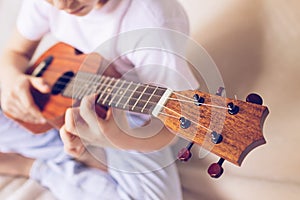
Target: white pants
[131, 175]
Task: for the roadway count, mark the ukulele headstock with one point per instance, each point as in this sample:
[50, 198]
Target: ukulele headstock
[228, 128]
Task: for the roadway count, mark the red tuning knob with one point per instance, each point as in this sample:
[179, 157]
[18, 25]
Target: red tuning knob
[215, 170]
[185, 153]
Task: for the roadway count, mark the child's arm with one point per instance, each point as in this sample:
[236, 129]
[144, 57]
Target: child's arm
[16, 98]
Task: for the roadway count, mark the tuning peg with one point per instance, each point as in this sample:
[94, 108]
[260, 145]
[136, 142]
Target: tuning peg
[215, 170]
[185, 153]
[184, 123]
[232, 108]
[198, 100]
[254, 98]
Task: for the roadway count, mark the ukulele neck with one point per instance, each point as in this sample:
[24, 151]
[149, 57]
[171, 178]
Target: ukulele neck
[118, 93]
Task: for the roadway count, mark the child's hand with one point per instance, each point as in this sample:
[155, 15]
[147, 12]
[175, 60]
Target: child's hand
[86, 124]
[17, 101]
[72, 143]
[83, 123]
[74, 146]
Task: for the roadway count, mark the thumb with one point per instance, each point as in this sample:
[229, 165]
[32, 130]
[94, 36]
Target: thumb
[40, 84]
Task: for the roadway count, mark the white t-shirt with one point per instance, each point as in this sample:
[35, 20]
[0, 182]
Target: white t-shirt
[156, 55]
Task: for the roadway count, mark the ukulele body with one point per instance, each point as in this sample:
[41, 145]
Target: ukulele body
[65, 59]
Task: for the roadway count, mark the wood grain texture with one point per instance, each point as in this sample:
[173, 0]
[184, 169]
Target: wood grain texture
[241, 132]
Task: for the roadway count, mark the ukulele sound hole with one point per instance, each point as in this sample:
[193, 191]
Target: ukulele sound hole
[62, 82]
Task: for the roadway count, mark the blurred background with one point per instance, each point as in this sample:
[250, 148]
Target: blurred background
[255, 44]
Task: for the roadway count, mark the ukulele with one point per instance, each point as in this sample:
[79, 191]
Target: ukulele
[227, 127]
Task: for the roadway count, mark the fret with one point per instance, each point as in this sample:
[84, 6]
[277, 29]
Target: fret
[89, 85]
[150, 99]
[135, 97]
[138, 99]
[77, 92]
[124, 93]
[129, 98]
[107, 91]
[101, 91]
[111, 91]
[118, 92]
[84, 83]
[95, 82]
[147, 102]
[99, 83]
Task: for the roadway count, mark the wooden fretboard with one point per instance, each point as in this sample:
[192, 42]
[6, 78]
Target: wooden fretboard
[117, 93]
